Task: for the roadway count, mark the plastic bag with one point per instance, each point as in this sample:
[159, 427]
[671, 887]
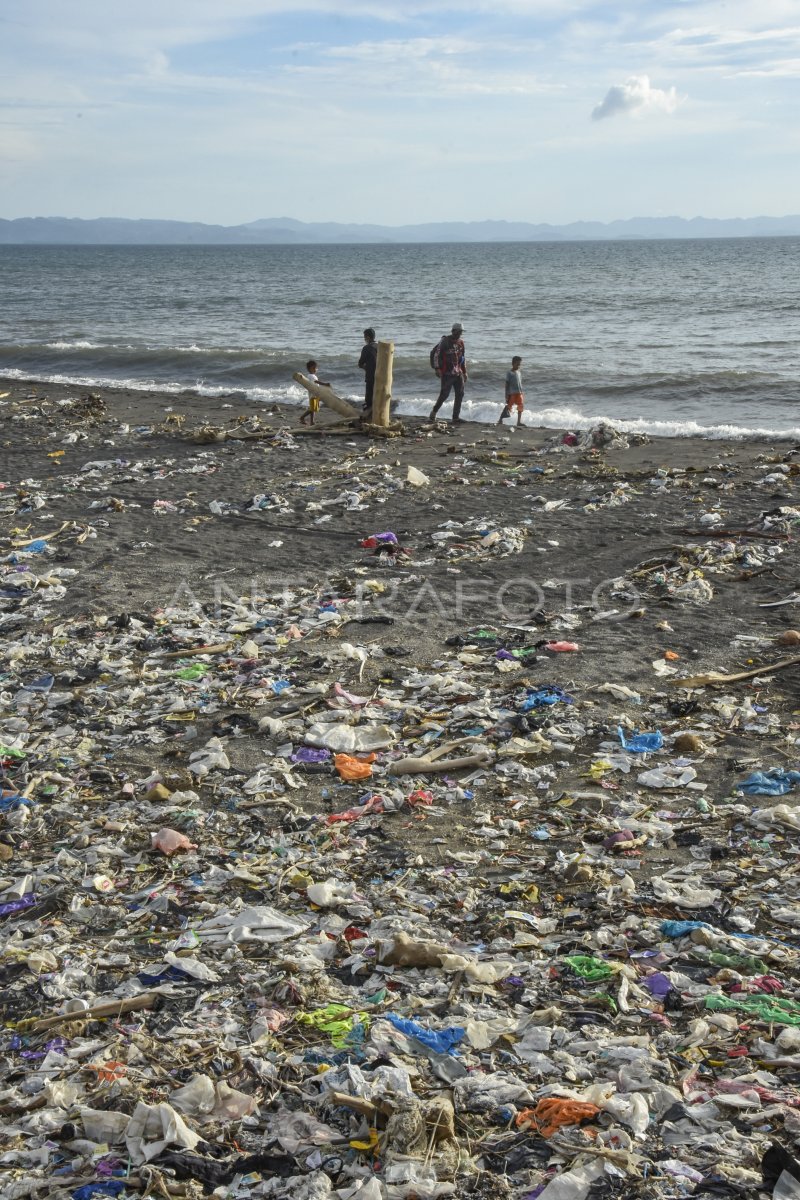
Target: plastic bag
[667, 777]
[775, 782]
[349, 739]
[170, 841]
[640, 743]
[352, 769]
[444, 1041]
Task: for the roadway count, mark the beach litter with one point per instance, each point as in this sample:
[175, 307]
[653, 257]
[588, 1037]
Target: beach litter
[305, 896]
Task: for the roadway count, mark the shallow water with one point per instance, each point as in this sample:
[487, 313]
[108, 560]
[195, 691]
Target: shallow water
[667, 337]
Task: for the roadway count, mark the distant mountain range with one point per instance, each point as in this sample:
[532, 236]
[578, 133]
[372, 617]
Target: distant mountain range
[107, 231]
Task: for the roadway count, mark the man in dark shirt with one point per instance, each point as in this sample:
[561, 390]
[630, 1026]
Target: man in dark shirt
[368, 361]
[452, 371]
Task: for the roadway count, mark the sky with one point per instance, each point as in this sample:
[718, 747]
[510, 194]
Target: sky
[399, 111]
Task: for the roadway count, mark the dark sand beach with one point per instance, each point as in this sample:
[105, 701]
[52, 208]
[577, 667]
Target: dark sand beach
[602, 529]
[148, 543]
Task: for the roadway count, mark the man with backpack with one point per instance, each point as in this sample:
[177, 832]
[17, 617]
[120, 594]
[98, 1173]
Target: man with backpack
[448, 360]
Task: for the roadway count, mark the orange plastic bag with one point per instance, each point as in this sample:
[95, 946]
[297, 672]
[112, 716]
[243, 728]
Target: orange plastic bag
[554, 1113]
[352, 769]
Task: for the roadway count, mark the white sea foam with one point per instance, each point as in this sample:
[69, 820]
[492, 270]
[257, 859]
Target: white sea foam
[78, 345]
[482, 411]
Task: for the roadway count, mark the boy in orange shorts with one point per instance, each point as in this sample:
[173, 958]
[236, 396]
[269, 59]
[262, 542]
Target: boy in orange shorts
[514, 396]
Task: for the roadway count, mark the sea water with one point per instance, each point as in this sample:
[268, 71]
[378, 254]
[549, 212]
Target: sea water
[668, 337]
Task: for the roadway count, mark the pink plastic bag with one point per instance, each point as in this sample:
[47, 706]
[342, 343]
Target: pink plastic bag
[373, 805]
[562, 646]
[169, 841]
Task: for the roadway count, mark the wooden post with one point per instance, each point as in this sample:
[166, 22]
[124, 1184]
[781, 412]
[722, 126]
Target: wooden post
[382, 395]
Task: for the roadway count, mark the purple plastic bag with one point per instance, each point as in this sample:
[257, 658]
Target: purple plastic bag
[657, 985]
[15, 906]
[306, 754]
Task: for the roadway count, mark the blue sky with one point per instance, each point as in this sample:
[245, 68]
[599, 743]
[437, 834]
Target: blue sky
[397, 111]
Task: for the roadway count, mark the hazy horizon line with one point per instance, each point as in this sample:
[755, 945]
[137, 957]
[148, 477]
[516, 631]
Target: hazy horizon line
[785, 216]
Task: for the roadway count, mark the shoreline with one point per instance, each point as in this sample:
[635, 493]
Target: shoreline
[206, 395]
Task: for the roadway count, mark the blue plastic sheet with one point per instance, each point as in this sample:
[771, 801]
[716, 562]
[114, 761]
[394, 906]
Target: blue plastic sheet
[546, 695]
[776, 782]
[9, 803]
[640, 743]
[443, 1041]
[103, 1187]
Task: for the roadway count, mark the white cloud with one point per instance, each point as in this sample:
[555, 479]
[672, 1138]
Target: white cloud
[636, 97]
[787, 68]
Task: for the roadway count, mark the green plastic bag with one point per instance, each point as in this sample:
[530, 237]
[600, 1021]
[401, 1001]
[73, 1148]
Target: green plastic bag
[336, 1021]
[194, 672]
[589, 968]
[765, 1008]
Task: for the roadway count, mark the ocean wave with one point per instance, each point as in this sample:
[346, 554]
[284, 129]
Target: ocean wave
[75, 345]
[227, 366]
[141, 352]
[556, 417]
[482, 411]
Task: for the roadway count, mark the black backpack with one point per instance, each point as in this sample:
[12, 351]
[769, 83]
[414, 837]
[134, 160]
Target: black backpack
[436, 356]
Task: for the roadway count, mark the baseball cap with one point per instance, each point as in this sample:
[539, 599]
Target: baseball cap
[457, 328]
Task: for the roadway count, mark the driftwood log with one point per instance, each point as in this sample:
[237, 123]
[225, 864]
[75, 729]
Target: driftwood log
[109, 1008]
[435, 762]
[327, 396]
[694, 681]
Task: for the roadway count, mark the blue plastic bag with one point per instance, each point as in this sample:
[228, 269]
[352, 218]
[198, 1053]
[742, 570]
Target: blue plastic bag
[443, 1041]
[546, 695]
[776, 782]
[676, 929]
[640, 743]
